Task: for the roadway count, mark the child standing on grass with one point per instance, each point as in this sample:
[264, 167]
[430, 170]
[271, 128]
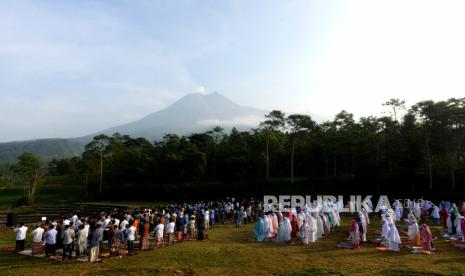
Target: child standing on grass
[192, 227]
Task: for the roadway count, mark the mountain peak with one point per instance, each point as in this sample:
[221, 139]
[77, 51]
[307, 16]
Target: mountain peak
[192, 113]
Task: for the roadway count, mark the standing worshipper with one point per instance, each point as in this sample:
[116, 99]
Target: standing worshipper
[458, 225]
[130, 237]
[179, 228]
[144, 235]
[81, 239]
[319, 225]
[435, 215]
[426, 238]
[201, 229]
[312, 224]
[50, 240]
[170, 231]
[238, 218]
[267, 226]
[355, 234]
[259, 229]
[37, 238]
[20, 237]
[362, 226]
[294, 226]
[413, 231]
[113, 235]
[385, 231]
[97, 236]
[287, 229]
[159, 229]
[394, 238]
[462, 224]
[444, 214]
[305, 232]
[68, 239]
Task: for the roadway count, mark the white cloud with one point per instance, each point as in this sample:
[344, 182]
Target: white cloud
[245, 121]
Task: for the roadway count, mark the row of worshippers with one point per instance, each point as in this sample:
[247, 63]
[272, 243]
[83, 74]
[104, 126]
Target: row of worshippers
[448, 214]
[453, 218]
[358, 229]
[169, 224]
[308, 223]
[417, 236]
[87, 235]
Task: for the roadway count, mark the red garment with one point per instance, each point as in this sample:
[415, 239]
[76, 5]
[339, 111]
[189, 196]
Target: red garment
[295, 226]
[355, 234]
[462, 225]
[444, 215]
[426, 237]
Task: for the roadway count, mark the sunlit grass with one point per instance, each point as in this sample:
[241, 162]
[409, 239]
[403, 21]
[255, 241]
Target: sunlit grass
[232, 251]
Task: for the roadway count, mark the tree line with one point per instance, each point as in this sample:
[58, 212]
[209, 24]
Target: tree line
[421, 148]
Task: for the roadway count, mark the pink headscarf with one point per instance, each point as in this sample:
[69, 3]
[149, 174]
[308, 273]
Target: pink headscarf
[425, 234]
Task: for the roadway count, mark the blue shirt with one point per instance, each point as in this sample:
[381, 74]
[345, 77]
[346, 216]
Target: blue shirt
[50, 236]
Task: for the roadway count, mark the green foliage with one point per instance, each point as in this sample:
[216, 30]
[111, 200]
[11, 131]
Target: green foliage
[28, 169]
[425, 149]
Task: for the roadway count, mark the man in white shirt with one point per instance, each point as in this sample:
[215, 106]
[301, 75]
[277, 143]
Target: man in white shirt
[20, 237]
[170, 231]
[37, 237]
[122, 229]
[159, 232]
[130, 237]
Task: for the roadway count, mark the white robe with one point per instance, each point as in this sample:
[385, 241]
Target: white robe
[287, 228]
[267, 223]
[413, 230]
[458, 227]
[393, 237]
[449, 224]
[435, 213]
[312, 224]
[385, 230]
[320, 228]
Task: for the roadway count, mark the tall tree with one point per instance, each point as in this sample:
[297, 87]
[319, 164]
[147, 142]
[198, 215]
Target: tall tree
[275, 121]
[300, 126]
[29, 170]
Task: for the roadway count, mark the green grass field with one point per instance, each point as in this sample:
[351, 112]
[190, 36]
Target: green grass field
[232, 251]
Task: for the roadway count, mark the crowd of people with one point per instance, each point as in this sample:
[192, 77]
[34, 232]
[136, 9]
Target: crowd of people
[317, 220]
[119, 232]
[308, 223]
[415, 213]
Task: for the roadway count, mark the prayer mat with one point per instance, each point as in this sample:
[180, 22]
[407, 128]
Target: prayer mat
[8, 249]
[459, 244]
[123, 252]
[347, 245]
[104, 255]
[382, 248]
[26, 252]
[82, 259]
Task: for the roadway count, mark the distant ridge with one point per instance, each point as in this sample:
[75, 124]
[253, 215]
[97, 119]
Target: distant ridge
[194, 112]
[47, 149]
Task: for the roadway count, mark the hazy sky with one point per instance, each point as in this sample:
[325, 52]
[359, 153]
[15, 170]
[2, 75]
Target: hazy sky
[69, 68]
